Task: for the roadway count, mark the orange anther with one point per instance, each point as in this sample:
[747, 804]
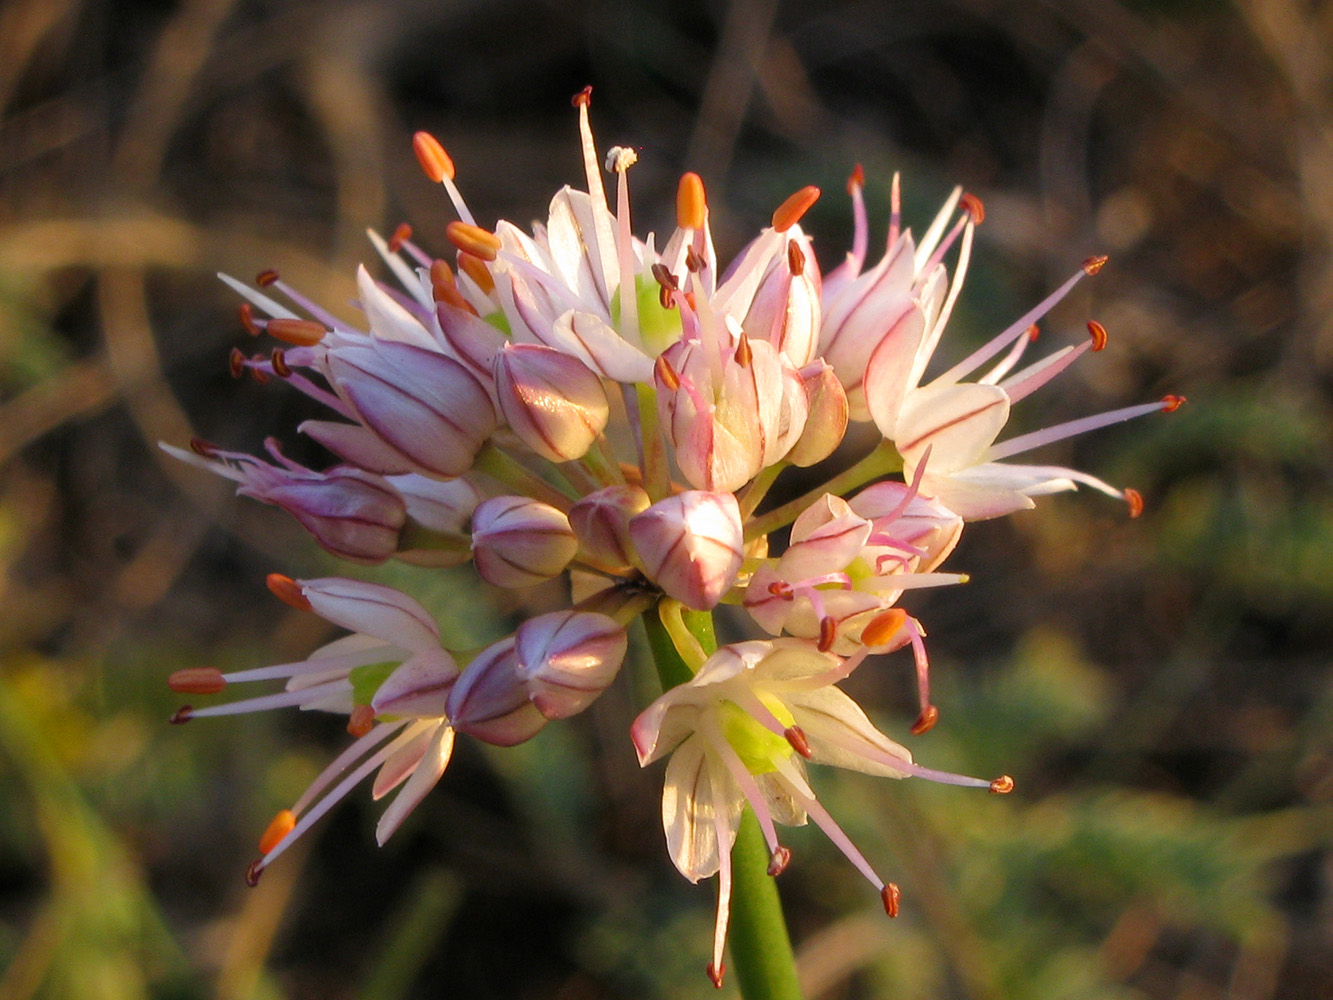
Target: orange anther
[473, 239]
[278, 359]
[248, 319]
[1172, 403]
[287, 590]
[690, 202]
[1135, 501]
[972, 205]
[715, 974]
[790, 211]
[882, 628]
[361, 721]
[197, 680]
[259, 376]
[828, 631]
[1002, 785]
[892, 897]
[744, 355]
[277, 829]
[435, 162]
[1098, 333]
[583, 98]
[666, 374]
[236, 362]
[400, 236]
[1094, 264]
[1034, 331]
[795, 259]
[779, 860]
[925, 722]
[476, 269]
[795, 735]
[182, 715]
[857, 180]
[265, 278]
[299, 332]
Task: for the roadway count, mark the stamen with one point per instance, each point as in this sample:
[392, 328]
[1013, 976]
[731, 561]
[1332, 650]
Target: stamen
[857, 180]
[693, 262]
[299, 332]
[778, 861]
[205, 448]
[256, 373]
[182, 715]
[925, 722]
[287, 590]
[795, 735]
[795, 259]
[400, 236]
[828, 631]
[715, 973]
[1059, 432]
[790, 211]
[972, 205]
[435, 162]
[277, 829]
[1173, 403]
[892, 897]
[247, 315]
[236, 362]
[252, 873]
[883, 627]
[1135, 500]
[666, 374]
[663, 276]
[278, 359]
[895, 211]
[265, 278]
[1094, 264]
[690, 202]
[583, 98]
[473, 239]
[361, 721]
[744, 353]
[197, 680]
[477, 270]
[1002, 785]
[782, 589]
[1098, 333]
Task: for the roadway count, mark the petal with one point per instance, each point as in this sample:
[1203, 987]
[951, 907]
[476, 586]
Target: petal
[957, 422]
[840, 734]
[427, 773]
[373, 609]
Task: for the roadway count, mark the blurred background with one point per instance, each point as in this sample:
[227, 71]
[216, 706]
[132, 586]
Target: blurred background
[1159, 688]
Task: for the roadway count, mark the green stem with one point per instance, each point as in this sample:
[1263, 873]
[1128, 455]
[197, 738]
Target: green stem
[761, 952]
[760, 948]
[508, 470]
[880, 462]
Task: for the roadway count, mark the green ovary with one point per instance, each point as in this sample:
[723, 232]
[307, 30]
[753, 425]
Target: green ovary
[658, 328]
[757, 747]
[366, 680]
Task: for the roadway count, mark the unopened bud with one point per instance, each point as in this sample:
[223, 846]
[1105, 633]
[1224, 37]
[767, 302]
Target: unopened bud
[691, 545]
[490, 700]
[567, 659]
[601, 523]
[520, 542]
[553, 402]
[827, 420]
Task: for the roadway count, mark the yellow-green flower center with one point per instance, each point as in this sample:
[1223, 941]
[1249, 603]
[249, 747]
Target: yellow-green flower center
[757, 747]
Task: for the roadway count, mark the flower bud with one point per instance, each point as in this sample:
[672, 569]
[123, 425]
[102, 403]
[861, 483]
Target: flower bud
[568, 658]
[691, 546]
[520, 542]
[490, 700]
[353, 516]
[553, 402]
[827, 420]
[422, 403]
[601, 522]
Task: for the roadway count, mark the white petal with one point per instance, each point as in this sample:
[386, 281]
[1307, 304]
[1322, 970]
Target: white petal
[423, 779]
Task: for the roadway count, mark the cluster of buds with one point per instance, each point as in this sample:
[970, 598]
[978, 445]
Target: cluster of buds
[576, 403]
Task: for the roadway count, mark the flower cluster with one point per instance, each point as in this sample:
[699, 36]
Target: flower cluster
[574, 402]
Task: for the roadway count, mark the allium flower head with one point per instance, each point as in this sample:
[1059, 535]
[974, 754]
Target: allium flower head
[570, 401]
